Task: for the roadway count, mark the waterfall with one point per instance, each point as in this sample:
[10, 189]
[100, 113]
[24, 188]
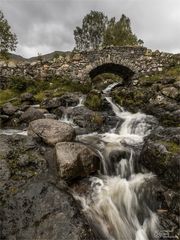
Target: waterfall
[110, 87]
[116, 203]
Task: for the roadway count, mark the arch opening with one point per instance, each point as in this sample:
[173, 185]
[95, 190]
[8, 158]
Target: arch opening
[124, 72]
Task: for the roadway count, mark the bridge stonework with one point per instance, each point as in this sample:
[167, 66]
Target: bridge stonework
[129, 62]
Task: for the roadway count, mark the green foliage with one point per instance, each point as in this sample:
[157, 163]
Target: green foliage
[20, 83]
[120, 33]
[6, 95]
[98, 31]
[54, 86]
[90, 36]
[8, 40]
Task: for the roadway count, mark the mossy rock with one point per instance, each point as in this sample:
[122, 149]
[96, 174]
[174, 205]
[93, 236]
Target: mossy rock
[161, 155]
[94, 101]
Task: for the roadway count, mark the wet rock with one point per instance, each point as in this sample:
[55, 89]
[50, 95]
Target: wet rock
[51, 131]
[51, 103]
[161, 155]
[69, 100]
[4, 150]
[66, 100]
[9, 109]
[20, 160]
[59, 111]
[31, 114]
[86, 118]
[76, 160]
[40, 210]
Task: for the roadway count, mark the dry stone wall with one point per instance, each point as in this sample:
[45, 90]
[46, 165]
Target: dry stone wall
[78, 65]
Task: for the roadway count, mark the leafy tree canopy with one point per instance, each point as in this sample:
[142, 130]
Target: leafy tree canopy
[90, 36]
[8, 40]
[98, 31]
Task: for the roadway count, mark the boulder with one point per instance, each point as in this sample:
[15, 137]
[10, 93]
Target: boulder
[9, 109]
[161, 155]
[51, 131]
[86, 118]
[76, 160]
[31, 114]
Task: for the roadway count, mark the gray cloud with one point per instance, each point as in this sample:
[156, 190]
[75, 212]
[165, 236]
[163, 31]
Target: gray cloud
[43, 26]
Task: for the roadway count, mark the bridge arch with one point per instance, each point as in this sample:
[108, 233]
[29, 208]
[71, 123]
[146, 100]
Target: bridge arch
[124, 72]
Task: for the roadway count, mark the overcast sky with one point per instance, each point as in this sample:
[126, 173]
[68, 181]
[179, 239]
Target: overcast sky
[43, 26]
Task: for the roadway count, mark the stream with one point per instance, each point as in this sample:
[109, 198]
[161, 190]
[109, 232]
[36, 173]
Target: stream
[119, 203]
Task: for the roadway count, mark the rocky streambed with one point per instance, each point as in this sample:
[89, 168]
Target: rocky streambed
[70, 170]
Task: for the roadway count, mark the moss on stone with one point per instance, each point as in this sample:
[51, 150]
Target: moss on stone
[171, 146]
[94, 102]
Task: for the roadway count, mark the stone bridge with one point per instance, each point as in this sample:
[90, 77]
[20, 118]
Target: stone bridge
[127, 62]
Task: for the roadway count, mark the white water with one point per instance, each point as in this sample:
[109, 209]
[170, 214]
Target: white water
[12, 131]
[110, 87]
[66, 118]
[116, 203]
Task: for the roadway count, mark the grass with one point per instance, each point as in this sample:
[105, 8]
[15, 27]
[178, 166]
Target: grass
[172, 72]
[55, 86]
[7, 95]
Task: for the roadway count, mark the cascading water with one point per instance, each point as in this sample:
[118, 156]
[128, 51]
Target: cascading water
[116, 203]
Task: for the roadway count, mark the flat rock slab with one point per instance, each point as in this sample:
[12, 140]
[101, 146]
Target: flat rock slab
[51, 131]
[76, 160]
[42, 211]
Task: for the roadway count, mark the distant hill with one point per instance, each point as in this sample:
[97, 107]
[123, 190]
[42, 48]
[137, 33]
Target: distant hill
[47, 57]
[15, 57]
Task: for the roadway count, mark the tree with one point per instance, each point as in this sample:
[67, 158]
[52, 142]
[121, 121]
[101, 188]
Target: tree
[109, 33]
[98, 31]
[90, 36]
[8, 40]
[122, 33]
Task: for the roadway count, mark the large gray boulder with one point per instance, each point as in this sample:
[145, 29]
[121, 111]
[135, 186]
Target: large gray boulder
[51, 131]
[76, 160]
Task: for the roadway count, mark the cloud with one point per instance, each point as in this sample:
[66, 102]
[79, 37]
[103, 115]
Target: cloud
[43, 26]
